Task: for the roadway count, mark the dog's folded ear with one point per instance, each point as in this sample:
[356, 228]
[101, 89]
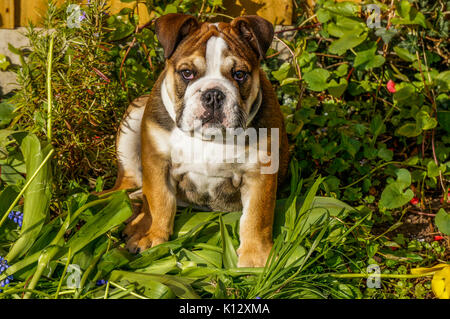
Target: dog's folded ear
[172, 28]
[258, 32]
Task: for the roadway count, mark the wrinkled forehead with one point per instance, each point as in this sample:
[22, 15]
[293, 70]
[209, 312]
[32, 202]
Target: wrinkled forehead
[214, 46]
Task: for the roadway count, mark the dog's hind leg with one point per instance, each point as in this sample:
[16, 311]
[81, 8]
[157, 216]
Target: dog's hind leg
[128, 146]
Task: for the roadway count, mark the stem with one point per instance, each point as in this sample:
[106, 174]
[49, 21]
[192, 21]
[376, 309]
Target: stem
[124, 289]
[25, 187]
[398, 276]
[49, 88]
[69, 256]
[372, 171]
[43, 262]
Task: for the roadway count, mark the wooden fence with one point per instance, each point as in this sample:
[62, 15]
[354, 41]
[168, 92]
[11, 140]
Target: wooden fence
[15, 13]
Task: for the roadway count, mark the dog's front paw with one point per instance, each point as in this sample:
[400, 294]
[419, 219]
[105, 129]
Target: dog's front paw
[138, 243]
[141, 236]
[253, 256]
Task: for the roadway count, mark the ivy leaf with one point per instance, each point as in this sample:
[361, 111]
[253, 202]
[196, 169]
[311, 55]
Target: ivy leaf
[394, 195]
[433, 170]
[443, 81]
[337, 89]
[408, 15]
[442, 221]
[405, 54]
[349, 40]
[408, 130]
[385, 154]
[386, 34]
[341, 70]
[317, 79]
[283, 72]
[424, 121]
[367, 59]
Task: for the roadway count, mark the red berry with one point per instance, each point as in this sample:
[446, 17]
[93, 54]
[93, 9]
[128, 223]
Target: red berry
[414, 201]
[391, 86]
[437, 237]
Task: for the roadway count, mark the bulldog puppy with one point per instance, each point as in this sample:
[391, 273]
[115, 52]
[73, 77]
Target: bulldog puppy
[212, 85]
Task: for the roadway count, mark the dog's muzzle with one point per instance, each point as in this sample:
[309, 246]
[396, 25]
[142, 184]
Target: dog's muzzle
[213, 101]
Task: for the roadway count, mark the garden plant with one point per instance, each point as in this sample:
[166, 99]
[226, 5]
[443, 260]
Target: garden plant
[364, 88]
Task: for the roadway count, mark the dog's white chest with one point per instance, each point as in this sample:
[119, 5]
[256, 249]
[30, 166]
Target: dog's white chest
[206, 163]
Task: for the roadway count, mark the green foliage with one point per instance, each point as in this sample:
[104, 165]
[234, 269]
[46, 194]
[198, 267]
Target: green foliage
[349, 125]
[443, 221]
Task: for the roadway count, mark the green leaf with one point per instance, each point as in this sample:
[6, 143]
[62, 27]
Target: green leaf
[408, 15]
[424, 121]
[149, 256]
[334, 206]
[405, 54]
[394, 195]
[6, 113]
[161, 266]
[348, 41]
[11, 176]
[283, 72]
[170, 8]
[433, 170]
[386, 34]
[367, 59]
[317, 79]
[113, 259]
[178, 285]
[113, 214]
[289, 81]
[408, 130]
[37, 195]
[229, 253]
[385, 154]
[341, 70]
[443, 118]
[337, 89]
[442, 221]
[7, 196]
[443, 81]
[4, 63]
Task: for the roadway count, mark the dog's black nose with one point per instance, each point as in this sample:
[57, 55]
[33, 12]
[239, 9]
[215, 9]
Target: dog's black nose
[213, 99]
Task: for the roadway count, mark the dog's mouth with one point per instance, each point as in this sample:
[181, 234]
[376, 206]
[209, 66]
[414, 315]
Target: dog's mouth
[212, 119]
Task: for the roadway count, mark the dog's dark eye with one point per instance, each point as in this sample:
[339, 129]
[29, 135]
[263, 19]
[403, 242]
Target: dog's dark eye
[240, 76]
[187, 74]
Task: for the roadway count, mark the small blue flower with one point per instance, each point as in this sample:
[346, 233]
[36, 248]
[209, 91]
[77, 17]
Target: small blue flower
[101, 282]
[82, 16]
[16, 217]
[258, 297]
[3, 266]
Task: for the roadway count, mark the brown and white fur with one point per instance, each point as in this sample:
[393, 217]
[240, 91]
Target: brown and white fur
[203, 57]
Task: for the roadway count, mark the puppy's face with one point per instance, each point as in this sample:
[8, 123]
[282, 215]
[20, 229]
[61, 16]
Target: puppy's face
[212, 76]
